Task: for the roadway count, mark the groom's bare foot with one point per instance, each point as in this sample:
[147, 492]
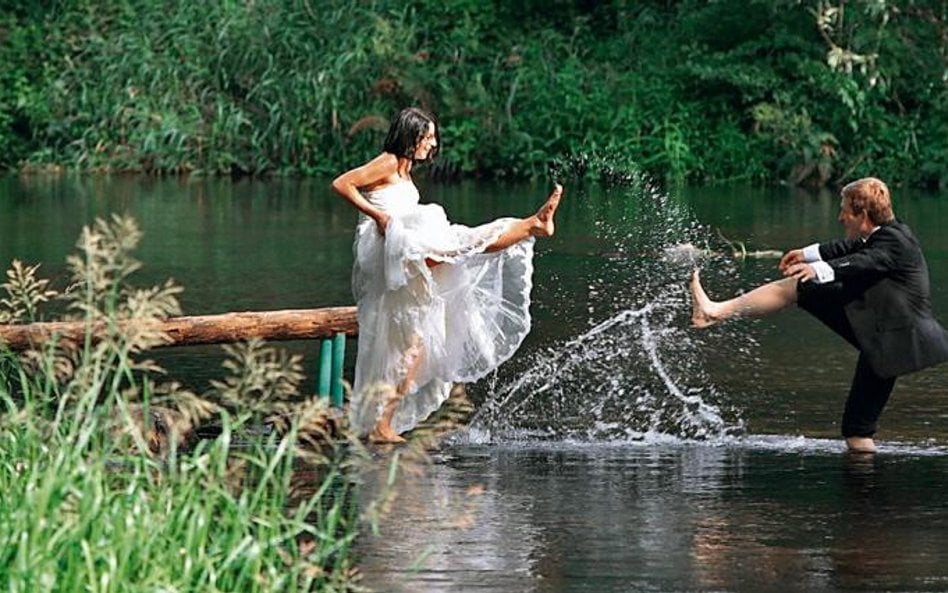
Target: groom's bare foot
[544, 216]
[861, 445]
[703, 309]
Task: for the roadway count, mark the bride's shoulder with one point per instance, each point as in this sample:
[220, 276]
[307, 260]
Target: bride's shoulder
[383, 171]
[385, 161]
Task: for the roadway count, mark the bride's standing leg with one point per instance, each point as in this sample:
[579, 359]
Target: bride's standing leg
[538, 225]
[383, 431]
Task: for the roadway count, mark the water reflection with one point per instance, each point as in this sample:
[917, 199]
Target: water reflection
[664, 518]
[435, 538]
[765, 511]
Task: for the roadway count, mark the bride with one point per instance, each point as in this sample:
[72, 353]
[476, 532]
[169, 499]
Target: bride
[437, 302]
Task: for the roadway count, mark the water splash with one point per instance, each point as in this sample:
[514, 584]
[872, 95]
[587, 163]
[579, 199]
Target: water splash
[610, 382]
[638, 372]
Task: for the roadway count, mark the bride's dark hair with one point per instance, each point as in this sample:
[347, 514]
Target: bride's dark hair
[407, 130]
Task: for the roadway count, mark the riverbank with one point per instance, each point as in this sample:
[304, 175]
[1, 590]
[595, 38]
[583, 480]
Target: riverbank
[687, 91]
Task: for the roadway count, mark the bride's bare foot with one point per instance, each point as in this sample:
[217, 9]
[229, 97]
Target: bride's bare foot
[544, 216]
[703, 309]
[384, 435]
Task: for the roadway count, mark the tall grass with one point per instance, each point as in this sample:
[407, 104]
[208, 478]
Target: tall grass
[697, 91]
[79, 515]
[94, 499]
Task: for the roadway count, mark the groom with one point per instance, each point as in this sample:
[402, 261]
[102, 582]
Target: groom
[871, 288]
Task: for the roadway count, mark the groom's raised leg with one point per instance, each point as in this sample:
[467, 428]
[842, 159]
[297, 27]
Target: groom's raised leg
[760, 302]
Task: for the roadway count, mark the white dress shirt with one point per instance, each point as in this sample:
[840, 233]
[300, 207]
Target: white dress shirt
[824, 272]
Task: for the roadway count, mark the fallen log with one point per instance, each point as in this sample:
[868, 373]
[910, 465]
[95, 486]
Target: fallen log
[288, 324]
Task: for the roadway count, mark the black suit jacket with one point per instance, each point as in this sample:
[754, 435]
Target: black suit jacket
[885, 278]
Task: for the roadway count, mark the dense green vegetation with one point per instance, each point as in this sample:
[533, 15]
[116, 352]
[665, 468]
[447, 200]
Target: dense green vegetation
[811, 91]
[104, 489]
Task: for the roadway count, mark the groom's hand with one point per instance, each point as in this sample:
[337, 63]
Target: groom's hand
[800, 271]
[790, 258]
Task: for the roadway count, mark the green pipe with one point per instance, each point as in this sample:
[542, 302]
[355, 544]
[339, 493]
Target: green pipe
[325, 367]
[338, 356]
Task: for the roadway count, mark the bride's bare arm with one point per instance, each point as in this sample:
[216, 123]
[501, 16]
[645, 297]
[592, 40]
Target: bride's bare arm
[379, 172]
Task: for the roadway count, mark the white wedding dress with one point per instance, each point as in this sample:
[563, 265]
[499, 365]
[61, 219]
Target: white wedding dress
[459, 320]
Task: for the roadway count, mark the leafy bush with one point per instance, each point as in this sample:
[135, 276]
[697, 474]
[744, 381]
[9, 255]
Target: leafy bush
[810, 92]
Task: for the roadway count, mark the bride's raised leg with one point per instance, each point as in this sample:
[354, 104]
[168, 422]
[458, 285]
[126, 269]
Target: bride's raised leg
[539, 225]
[546, 212]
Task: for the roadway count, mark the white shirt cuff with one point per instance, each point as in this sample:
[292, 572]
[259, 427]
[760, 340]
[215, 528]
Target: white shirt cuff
[824, 273]
[811, 253]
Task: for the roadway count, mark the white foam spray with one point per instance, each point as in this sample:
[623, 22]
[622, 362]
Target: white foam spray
[638, 372]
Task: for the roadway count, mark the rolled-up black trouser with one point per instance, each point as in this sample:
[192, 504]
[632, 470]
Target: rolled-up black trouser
[868, 392]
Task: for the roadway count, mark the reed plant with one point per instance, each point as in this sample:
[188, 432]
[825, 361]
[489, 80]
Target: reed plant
[757, 91]
[90, 500]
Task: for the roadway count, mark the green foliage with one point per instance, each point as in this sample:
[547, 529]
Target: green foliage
[90, 502]
[802, 90]
[24, 80]
[87, 518]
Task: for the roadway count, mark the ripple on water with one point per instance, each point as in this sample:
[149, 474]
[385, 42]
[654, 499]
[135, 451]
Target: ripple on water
[532, 439]
[750, 513]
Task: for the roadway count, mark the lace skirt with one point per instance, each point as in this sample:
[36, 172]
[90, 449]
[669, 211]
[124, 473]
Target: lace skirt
[428, 327]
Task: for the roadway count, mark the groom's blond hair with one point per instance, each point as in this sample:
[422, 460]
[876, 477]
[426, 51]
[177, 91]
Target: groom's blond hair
[870, 195]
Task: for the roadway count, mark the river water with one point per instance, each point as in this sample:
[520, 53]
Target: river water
[619, 450]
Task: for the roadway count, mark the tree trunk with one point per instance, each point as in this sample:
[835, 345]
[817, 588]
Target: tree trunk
[288, 324]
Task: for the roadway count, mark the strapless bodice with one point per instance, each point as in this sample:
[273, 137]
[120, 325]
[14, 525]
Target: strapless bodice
[395, 197]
